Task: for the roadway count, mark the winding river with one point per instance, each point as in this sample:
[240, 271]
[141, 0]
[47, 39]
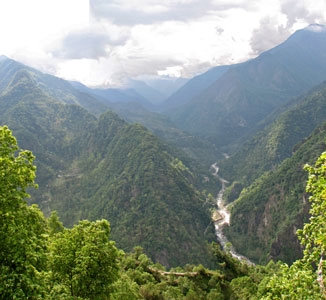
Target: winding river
[221, 217]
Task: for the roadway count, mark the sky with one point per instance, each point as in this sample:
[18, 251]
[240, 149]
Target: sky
[105, 42]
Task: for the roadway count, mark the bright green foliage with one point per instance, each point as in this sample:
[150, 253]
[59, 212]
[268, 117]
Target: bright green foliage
[84, 260]
[296, 282]
[232, 279]
[22, 228]
[243, 288]
[55, 226]
[125, 289]
[313, 235]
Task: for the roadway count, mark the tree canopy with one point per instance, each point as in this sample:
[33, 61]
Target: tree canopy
[22, 227]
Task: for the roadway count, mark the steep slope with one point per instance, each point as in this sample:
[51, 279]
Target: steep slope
[128, 177]
[197, 148]
[42, 124]
[265, 217]
[193, 88]
[149, 93]
[247, 93]
[166, 85]
[107, 168]
[112, 96]
[275, 142]
[54, 87]
[126, 102]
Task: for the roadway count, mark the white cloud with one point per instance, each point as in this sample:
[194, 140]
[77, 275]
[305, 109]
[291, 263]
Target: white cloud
[93, 42]
[282, 19]
[104, 42]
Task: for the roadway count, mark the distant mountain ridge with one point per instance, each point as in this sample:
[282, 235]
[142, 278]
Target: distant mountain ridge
[54, 87]
[245, 94]
[193, 88]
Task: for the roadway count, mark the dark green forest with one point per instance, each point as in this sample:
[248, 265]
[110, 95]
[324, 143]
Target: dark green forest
[41, 259]
[115, 197]
[89, 167]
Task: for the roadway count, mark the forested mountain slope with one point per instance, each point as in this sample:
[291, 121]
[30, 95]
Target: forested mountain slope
[195, 147]
[128, 104]
[52, 86]
[275, 142]
[107, 168]
[40, 259]
[127, 176]
[193, 88]
[265, 217]
[242, 97]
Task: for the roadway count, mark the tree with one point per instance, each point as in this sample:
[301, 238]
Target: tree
[54, 224]
[84, 260]
[22, 228]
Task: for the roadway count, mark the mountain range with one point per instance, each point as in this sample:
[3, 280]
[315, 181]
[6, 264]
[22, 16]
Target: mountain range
[90, 168]
[139, 156]
[234, 104]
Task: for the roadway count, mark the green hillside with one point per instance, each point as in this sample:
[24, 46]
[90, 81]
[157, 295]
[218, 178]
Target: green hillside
[124, 174]
[54, 87]
[41, 259]
[267, 214]
[198, 148]
[278, 140]
[106, 168]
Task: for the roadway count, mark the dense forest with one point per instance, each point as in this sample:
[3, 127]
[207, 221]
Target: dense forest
[40, 259]
[115, 197]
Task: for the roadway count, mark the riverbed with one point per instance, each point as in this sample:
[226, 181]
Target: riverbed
[221, 218]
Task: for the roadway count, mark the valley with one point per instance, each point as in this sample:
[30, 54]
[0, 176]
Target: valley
[221, 217]
[130, 174]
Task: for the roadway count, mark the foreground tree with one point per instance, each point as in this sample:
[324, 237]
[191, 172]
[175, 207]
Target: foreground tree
[83, 260]
[22, 228]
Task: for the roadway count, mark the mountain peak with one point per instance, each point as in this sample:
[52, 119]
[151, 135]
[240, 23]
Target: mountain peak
[316, 28]
[3, 57]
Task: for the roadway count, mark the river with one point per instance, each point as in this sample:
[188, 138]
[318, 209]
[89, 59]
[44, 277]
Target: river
[221, 218]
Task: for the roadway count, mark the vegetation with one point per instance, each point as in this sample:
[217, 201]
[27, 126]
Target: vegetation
[305, 278]
[278, 140]
[22, 227]
[267, 214]
[40, 259]
[92, 168]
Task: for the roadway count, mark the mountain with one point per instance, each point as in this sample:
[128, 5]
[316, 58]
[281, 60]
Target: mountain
[235, 103]
[197, 148]
[126, 102]
[266, 216]
[54, 87]
[277, 140]
[106, 168]
[193, 88]
[149, 93]
[166, 85]
[127, 176]
[109, 96]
